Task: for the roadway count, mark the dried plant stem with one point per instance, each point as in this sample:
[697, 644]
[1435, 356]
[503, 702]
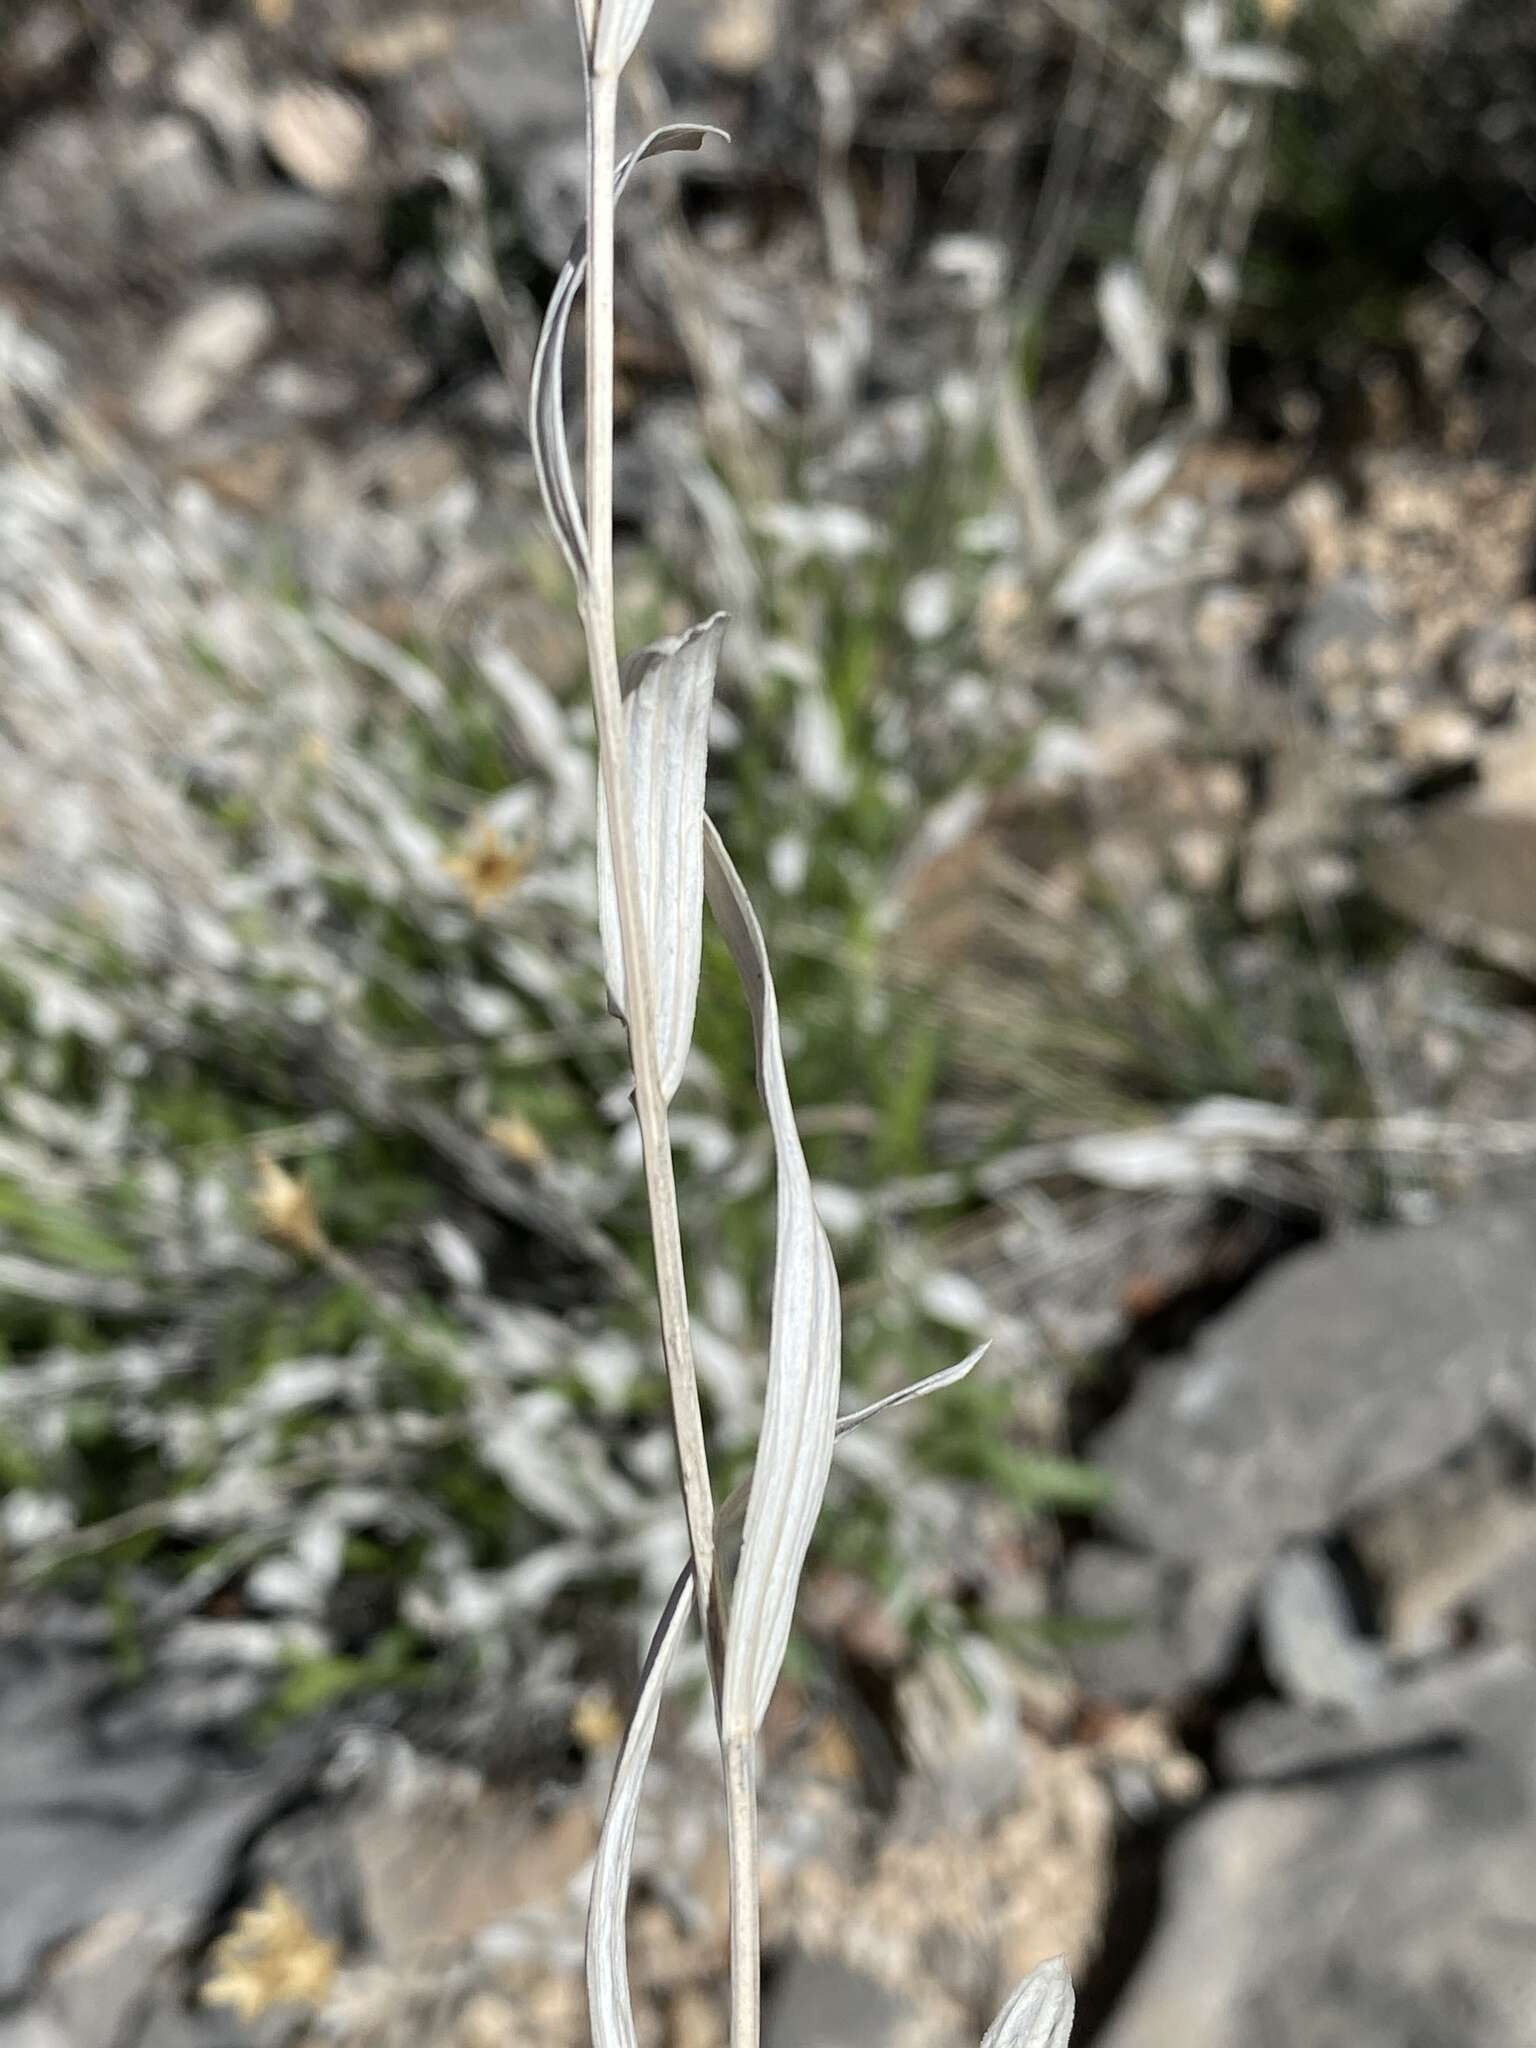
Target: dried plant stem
[650, 1101]
[741, 1850]
[607, 702]
[1023, 459]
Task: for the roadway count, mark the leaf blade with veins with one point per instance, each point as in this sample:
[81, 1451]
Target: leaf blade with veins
[1039, 2013]
[794, 1451]
[620, 25]
[669, 688]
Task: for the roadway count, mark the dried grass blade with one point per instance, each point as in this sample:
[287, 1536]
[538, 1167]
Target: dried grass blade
[669, 688]
[794, 1450]
[551, 447]
[1039, 2014]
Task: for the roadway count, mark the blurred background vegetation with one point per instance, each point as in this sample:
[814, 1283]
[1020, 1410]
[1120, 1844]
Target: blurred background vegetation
[1104, 424]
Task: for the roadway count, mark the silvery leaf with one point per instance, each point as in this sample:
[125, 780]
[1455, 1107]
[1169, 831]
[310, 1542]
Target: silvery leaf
[546, 394]
[1133, 328]
[546, 409]
[1255, 64]
[1202, 28]
[421, 687]
[918, 1391]
[1312, 1646]
[609, 2007]
[611, 2013]
[620, 25]
[794, 1449]
[1039, 2014]
[668, 691]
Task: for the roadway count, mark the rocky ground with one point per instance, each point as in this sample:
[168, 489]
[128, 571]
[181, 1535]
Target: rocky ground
[1146, 835]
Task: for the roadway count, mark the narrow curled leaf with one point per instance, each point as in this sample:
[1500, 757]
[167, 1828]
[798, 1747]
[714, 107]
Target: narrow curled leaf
[794, 1448]
[668, 688]
[918, 1391]
[610, 2009]
[1039, 2014]
[546, 394]
[546, 409]
[608, 2000]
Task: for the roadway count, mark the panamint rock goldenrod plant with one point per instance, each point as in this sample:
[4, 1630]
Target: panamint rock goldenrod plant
[659, 859]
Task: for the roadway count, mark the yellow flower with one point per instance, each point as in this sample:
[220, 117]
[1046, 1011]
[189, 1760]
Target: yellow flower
[271, 1956]
[285, 1209]
[518, 1139]
[595, 1720]
[485, 867]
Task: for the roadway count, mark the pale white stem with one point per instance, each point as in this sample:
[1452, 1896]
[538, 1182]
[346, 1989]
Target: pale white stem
[741, 1851]
[607, 703]
[738, 1753]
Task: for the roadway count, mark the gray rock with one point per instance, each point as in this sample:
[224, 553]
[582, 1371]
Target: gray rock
[1342, 1375]
[516, 82]
[1312, 1648]
[169, 179]
[1153, 1630]
[1464, 870]
[113, 1855]
[1346, 624]
[1217, 1600]
[819, 2002]
[60, 219]
[1384, 1909]
[32, 2029]
[1272, 1740]
[45, 1705]
[68, 1871]
[1117, 1603]
[310, 1858]
[274, 234]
